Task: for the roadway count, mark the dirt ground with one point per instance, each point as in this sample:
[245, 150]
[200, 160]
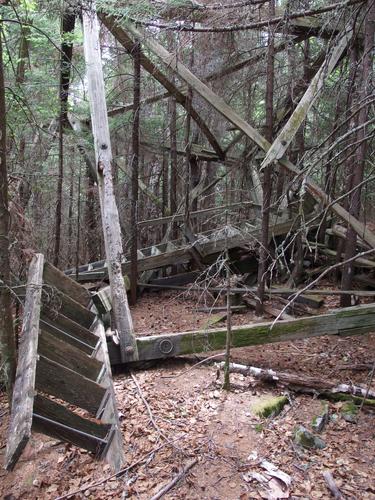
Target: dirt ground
[190, 419]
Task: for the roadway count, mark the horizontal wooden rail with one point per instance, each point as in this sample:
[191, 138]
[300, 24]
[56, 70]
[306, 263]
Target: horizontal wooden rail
[347, 321]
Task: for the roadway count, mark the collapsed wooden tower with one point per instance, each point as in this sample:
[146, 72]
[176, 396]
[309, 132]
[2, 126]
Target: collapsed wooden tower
[64, 360]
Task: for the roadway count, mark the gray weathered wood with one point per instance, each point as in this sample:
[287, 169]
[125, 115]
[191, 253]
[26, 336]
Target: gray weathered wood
[285, 137]
[103, 156]
[67, 330]
[23, 393]
[71, 357]
[88, 434]
[228, 113]
[68, 385]
[347, 321]
[56, 278]
[114, 452]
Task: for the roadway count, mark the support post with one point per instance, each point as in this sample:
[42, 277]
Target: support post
[103, 157]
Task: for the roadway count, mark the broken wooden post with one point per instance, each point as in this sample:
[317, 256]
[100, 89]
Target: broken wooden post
[23, 392]
[283, 140]
[103, 156]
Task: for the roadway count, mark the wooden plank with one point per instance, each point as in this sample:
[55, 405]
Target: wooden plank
[63, 383]
[102, 300]
[65, 354]
[114, 452]
[23, 393]
[348, 321]
[82, 432]
[228, 113]
[103, 156]
[56, 278]
[128, 43]
[280, 145]
[67, 330]
[199, 213]
[69, 308]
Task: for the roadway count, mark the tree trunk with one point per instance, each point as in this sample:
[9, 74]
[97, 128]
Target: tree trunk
[7, 341]
[355, 196]
[134, 173]
[267, 174]
[67, 27]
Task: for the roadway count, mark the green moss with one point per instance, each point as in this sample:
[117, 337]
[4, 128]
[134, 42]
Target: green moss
[305, 439]
[349, 412]
[270, 407]
[258, 428]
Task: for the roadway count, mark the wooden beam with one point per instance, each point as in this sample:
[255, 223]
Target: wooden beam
[348, 321]
[23, 393]
[227, 112]
[103, 156]
[128, 43]
[198, 213]
[281, 143]
[114, 452]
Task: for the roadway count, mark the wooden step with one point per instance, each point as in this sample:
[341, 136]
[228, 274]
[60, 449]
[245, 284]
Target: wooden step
[65, 354]
[57, 421]
[63, 383]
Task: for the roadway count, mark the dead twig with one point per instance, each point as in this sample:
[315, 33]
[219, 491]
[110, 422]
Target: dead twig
[175, 480]
[331, 485]
[116, 474]
[195, 365]
[149, 411]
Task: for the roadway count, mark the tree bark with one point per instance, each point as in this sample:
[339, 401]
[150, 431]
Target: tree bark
[134, 173]
[7, 340]
[267, 174]
[355, 197]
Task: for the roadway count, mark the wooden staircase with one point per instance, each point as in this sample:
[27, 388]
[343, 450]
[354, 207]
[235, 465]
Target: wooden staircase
[63, 385]
[180, 251]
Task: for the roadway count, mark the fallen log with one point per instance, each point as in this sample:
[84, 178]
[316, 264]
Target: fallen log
[306, 384]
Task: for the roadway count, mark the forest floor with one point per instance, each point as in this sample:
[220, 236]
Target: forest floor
[194, 419]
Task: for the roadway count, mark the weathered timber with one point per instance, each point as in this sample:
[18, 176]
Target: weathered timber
[267, 308]
[68, 307]
[300, 382]
[113, 452]
[215, 75]
[365, 280]
[285, 137]
[198, 152]
[64, 383]
[310, 299]
[228, 113]
[56, 278]
[177, 279]
[347, 321]
[71, 357]
[128, 43]
[23, 392]
[88, 434]
[67, 330]
[103, 156]
[199, 213]
[102, 300]
[359, 262]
